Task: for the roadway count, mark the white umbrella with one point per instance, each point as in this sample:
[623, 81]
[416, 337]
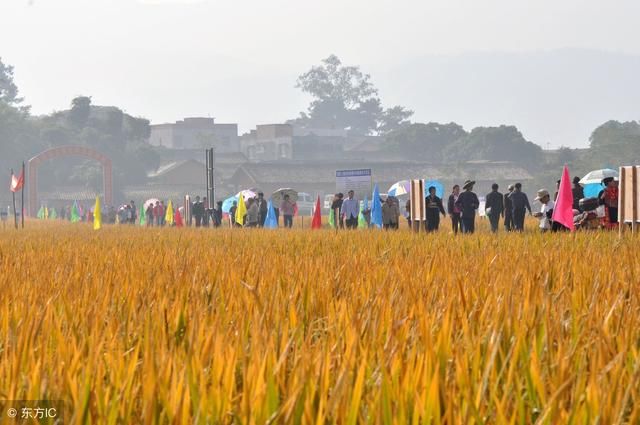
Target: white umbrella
[148, 202]
[278, 196]
[247, 194]
[596, 176]
[400, 188]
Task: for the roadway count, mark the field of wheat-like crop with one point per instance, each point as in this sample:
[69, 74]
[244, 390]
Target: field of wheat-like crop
[178, 326]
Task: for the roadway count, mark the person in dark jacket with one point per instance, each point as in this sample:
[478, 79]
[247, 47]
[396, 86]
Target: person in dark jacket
[262, 209]
[453, 210]
[508, 209]
[494, 207]
[468, 203]
[336, 206]
[434, 209]
[197, 210]
[519, 205]
[578, 193]
[217, 214]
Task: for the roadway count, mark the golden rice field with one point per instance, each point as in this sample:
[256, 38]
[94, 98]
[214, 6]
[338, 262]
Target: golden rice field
[185, 326]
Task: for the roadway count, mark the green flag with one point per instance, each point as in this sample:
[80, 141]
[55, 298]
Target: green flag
[53, 214]
[143, 216]
[75, 214]
[41, 213]
[332, 218]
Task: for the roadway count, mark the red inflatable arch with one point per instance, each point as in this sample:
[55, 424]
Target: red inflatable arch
[62, 151]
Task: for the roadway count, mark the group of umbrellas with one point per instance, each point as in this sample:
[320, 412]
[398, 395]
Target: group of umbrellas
[592, 183]
[276, 197]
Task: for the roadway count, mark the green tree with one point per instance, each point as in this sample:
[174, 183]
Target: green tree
[80, 111]
[8, 89]
[424, 141]
[614, 143]
[345, 98]
[504, 143]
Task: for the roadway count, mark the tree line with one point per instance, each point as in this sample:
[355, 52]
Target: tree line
[343, 97]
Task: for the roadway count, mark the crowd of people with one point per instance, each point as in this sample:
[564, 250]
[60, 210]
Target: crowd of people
[511, 207]
[462, 206]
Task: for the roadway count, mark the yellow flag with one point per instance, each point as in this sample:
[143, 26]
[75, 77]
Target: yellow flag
[46, 213]
[241, 210]
[168, 216]
[97, 215]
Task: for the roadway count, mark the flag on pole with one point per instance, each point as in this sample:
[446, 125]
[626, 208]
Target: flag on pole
[241, 210]
[46, 213]
[332, 219]
[40, 214]
[178, 218]
[97, 215]
[270, 221]
[54, 214]
[75, 214]
[362, 220]
[316, 223]
[563, 209]
[376, 208]
[143, 216]
[16, 182]
[168, 216]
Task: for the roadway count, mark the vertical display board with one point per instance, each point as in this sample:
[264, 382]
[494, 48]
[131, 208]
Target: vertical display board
[418, 208]
[629, 196]
[187, 211]
[209, 176]
[357, 180]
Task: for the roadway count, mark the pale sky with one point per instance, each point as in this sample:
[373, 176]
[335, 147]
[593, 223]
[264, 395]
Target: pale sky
[237, 60]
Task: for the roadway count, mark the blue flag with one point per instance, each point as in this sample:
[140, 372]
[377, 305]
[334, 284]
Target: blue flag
[270, 221]
[376, 208]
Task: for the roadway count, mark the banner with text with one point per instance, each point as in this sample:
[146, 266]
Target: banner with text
[357, 180]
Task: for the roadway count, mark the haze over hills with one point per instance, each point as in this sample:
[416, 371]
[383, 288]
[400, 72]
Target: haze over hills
[554, 97]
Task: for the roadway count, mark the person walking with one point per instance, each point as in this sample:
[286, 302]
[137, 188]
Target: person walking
[434, 208]
[546, 212]
[454, 210]
[350, 211]
[390, 214]
[262, 209]
[287, 208]
[232, 213]
[134, 213]
[336, 207]
[519, 206]
[149, 214]
[508, 209]
[253, 213]
[197, 210]
[494, 207]
[162, 213]
[468, 203]
[217, 214]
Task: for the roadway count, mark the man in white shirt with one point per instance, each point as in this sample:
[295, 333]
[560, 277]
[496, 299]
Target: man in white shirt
[546, 211]
[350, 211]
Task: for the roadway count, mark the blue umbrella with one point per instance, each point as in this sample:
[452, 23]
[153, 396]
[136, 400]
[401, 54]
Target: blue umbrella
[228, 203]
[270, 222]
[435, 183]
[591, 190]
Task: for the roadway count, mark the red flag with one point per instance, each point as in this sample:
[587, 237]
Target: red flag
[17, 182]
[316, 223]
[563, 209]
[177, 218]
